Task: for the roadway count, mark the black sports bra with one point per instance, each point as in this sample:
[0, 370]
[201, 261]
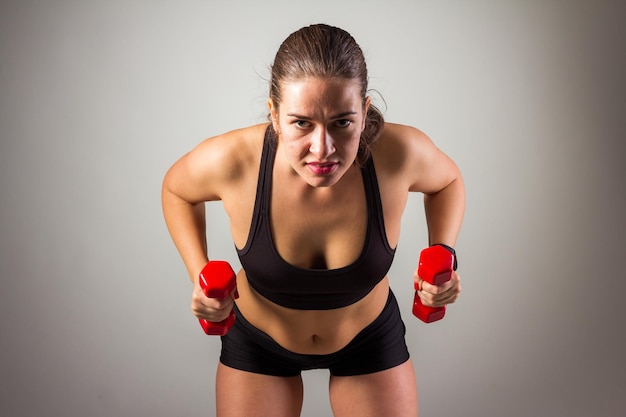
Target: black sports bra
[312, 289]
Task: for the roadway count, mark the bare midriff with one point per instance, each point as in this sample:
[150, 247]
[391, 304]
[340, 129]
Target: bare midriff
[315, 332]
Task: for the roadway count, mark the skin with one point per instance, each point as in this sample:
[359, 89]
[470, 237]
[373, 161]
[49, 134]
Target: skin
[319, 122]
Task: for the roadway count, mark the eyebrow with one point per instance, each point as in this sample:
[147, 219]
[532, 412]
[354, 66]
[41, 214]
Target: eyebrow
[337, 116]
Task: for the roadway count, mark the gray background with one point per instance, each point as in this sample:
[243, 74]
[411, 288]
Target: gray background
[98, 99]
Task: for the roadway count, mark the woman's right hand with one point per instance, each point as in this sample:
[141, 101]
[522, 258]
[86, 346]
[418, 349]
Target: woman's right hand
[211, 309]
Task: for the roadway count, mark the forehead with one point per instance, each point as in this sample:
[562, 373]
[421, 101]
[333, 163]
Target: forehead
[313, 93]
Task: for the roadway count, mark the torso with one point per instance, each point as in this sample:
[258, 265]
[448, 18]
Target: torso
[330, 241]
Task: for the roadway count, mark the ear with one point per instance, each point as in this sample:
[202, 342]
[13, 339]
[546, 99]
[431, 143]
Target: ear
[366, 107]
[273, 113]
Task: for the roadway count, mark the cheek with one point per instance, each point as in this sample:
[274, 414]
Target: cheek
[295, 147]
[352, 141]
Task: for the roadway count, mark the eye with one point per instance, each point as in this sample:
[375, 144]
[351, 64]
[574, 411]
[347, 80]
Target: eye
[302, 124]
[343, 122]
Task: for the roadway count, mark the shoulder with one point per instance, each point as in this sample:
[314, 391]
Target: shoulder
[403, 135]
[219, 163]
[409, 156]
[399, 146]
[227, 154]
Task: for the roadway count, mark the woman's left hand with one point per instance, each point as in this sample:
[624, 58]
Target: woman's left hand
[439, 295]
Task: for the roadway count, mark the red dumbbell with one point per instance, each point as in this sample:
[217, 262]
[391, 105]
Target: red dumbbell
[436, 264]
[217, 280]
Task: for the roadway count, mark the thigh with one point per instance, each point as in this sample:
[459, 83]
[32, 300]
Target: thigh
[392, 392]
[246, 394]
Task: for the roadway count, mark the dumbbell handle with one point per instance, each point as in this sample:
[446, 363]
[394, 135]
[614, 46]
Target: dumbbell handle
[217, 280]
[435, 266]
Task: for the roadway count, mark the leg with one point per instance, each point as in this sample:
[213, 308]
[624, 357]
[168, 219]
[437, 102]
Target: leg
[246, 394]
[392, 392]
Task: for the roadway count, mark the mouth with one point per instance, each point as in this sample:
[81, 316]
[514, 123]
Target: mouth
[322, 168]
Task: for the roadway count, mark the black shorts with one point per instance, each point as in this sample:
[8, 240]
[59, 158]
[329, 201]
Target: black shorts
[379, 346]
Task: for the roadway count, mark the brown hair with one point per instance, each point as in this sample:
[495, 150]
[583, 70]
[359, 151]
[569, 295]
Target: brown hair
[325, 51]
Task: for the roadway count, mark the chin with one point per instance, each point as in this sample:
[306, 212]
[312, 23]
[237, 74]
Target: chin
[322, 181]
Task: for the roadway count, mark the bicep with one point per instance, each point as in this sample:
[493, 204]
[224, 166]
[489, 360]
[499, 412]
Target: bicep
[198, 176]
[430, 169]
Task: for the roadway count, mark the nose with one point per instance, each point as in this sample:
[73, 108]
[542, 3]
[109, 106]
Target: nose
[322, 144]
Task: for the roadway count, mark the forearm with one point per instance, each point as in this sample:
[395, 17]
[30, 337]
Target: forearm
[186, 223]
[444, 213]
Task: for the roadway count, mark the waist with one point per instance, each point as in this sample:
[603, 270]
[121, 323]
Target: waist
[310, 331]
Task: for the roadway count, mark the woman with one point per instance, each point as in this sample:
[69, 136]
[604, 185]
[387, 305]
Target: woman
[315, 199]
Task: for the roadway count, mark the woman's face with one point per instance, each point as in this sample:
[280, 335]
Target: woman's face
[319, 124]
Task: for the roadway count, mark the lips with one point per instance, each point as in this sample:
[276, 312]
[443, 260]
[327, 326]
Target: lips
[322, 168]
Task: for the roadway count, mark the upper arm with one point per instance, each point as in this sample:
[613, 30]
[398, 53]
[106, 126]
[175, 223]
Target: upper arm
[423, 166]
[207, 171]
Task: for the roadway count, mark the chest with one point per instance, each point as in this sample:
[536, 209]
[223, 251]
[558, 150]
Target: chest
[320, 230]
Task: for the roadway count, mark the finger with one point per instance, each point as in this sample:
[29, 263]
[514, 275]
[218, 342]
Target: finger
[449, 285]
[429, 301]
[213, 315]
[211, 308]
[432, 289]
[220, 305]
[438, 299]
[426, 298]
[447, 297]
[417, 281]
[453, 290]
